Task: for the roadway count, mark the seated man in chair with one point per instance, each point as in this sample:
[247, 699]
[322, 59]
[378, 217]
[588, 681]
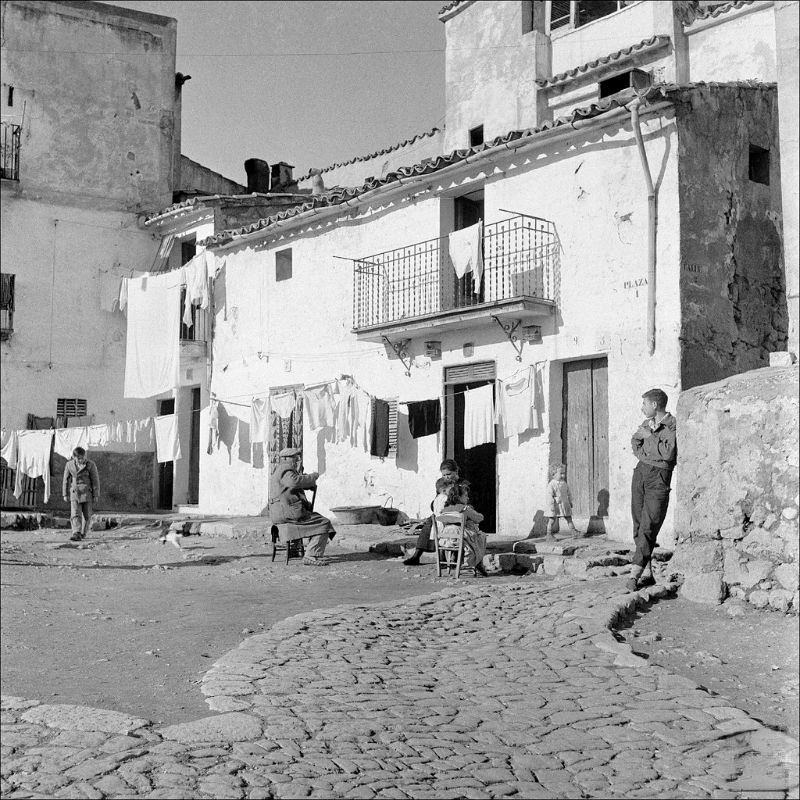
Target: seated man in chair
[288, 504]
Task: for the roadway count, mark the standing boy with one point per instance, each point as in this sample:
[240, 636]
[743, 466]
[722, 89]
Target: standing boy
[81, 487]
[654, 446]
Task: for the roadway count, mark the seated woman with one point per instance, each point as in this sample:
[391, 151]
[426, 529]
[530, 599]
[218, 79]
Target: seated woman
[474, 539]
[288, 503]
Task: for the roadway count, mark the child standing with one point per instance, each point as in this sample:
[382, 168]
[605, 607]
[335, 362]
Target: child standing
[558, 501]
[474, 539]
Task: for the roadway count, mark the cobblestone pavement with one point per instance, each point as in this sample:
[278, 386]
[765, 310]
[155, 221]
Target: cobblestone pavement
[479, 691]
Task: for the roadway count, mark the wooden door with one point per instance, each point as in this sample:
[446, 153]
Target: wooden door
[584, 435]
[165, 468]
[467, 212]
[194, 449]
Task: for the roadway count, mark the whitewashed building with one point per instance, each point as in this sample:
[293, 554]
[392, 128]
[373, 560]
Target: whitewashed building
[625, 167]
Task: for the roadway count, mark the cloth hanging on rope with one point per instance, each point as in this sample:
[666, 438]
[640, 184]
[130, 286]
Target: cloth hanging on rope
[33, 459]
[196, 276]
[40, 423]
[424, 418]
[478, 416]
[259, 420]
[168, 447]
[380, 429]
[319, 407]
[143, 435]
[344, 410]
[8, 449]
[516, 403]
[283, 404]
[362, 428]
[67, 439]
[213, 426]
[466, 252]
[97, 435]
[152, 356]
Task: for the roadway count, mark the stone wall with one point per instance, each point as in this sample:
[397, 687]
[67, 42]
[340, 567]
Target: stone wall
[737, 490]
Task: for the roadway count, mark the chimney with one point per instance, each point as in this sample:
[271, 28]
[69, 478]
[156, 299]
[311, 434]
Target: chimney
[282, 177]
[258, 175]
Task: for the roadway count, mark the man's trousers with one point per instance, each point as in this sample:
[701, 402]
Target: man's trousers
[649, 502]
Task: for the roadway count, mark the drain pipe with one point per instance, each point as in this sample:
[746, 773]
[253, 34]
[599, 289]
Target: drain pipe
[651, 227]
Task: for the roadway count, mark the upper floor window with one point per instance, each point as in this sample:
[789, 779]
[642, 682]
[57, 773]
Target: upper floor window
[283, 264]
[188, 249]
[10, 137]
[476, 136]
[10, 97]
[574, 13]
[6, 305]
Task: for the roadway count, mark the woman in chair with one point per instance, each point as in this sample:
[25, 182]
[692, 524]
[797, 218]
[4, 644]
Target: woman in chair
[474, 539]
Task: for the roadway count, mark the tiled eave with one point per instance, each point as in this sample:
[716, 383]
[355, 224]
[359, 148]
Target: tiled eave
[210, 201]
[452, 8]
[645, 46]
[689, 13]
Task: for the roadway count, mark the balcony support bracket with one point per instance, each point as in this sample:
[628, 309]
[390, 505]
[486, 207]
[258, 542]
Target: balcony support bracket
[399, 348]
[510, 329]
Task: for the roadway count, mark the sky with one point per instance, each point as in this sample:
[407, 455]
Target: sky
[310, 83]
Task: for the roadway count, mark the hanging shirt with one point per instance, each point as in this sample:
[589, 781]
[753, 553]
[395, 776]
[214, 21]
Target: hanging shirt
[259, 420]
[8, 450]
[168, 448]
[283, 404]
[67, 439]
[424, 418]
[143, 435]
[152, 345]
[466, 252]
[344, 411]
[213, 426]
[33, 459]
[98, 435]
[362, 402]
[319, 409]
[380, 429]
[478, 416]
[516, 403]
[196, 276]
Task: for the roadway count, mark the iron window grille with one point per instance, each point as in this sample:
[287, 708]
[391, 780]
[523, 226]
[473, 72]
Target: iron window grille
[10, 138]
[575, 13]
[6, 305]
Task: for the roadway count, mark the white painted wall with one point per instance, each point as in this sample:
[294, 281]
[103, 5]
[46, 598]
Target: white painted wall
[604, 246]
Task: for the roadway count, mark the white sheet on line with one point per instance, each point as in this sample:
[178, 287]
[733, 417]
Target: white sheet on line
[478, 416]
[152, 354]
[168, 447]
[466, 252]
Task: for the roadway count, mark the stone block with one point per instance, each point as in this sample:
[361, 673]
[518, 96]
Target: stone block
[704, 587]
[787, 575]
[556, 548]
[759, 598]
[743, 571]
[735, 532]
[529, 562]
[551, 564]
[781, 359]
[82, 718]
[698, 556]
[232, 727]
[499, 562]
[780, 599]
[760, 542]
[524, 546]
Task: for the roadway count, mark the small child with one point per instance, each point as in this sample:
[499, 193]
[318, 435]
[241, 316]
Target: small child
[558, 501]
[442, 488]
[474, 539]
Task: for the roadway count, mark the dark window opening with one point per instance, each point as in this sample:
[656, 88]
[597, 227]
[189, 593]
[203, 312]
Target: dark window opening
[6, 304]
[590, 10]
[565, 14]
[69, 408]
[476, 136]
[758, 166]
[283, 265]
[10, 96]
[560, 13]
[188, 249]
[617, 83]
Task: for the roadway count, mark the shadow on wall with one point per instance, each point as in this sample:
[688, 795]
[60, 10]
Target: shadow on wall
[597, 522]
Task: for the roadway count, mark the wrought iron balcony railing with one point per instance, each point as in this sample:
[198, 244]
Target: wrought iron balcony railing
[520, 258]
[10, 138]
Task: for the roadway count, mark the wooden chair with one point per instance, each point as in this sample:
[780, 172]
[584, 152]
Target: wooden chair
[449, 556]
[284, 536]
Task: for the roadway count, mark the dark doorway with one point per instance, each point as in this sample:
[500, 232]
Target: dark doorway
[165, 468]
[584, 436]
[468, 211]
[478, 464]
[194, 449]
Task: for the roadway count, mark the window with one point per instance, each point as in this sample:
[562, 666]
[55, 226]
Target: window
[392, 427]
[10, 99]
[6, 305]
[188, 249]
[758, 165]
[574, 13]
[283, 265]
[70, 407]
[476, 136]
[10, 138]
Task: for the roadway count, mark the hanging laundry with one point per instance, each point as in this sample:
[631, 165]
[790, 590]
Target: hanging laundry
[123, 288]
[196, 276]
[143, 439]
[516, 403]
[283, 404]
[67, 439]
[8, 447]
[319, 407]
[424, 418]
[213, 426]
[33, 459]
[152, 353]
[40, 423]
[168, 448]
[380, 429]
[362, 426]
[344, 410]
[98, 435]
[259, 420]
[478, 416]
[466, 252]
[80, 422]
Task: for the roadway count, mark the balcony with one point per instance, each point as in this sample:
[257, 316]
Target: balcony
[414, 289]
[10, 137]
[193, 337]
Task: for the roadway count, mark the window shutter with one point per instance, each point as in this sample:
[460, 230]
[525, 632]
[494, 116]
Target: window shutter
[559, 13]
[466, 373]
[70, 407]
[392, 425]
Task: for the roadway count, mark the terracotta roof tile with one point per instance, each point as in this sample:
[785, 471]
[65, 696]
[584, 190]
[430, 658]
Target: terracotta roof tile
[653, 43]
[716, 11]
[447, 7]
[431, 165]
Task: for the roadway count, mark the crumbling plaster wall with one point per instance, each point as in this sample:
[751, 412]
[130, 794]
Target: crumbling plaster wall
[737, 490]
[98, 87]
[732, 281]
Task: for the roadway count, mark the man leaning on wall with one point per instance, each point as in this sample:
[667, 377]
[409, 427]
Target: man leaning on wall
[655, 447]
